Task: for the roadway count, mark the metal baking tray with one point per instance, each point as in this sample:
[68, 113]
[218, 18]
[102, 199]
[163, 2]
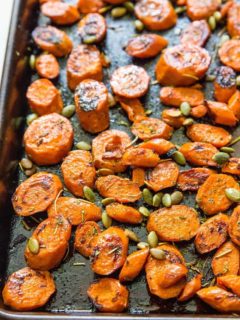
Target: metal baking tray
[70, 301]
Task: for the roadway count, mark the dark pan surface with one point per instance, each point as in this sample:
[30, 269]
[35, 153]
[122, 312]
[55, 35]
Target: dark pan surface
[72, 281]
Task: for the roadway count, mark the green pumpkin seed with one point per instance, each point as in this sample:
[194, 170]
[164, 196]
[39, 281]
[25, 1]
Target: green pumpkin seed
[32, 61]
[30, 172]
[131, 235]
[139, 26]
[158, 253]
[176, 197]
[233, 194]
[90, 40]
[180, 10]
[142, 245]
[179, 158]
[167, 200]
[88, 194]
[224, 38]
[217, 15]
[157, 199]
[31, 117]
[235, 140]
[33, 245]
[107, 201]
[210, 77]
[144, 211]
[82, 145]
[221, 157]
[106, 220]
[26, 163]
[188, 122]
[68, 111]
[185, 108]
[104, 172]
[147, 196]
[129, 6]
[118, 12]
[111, 100]
[105, 9]
[212, 23]
[238, 81]
[152, 239]
[227, 149]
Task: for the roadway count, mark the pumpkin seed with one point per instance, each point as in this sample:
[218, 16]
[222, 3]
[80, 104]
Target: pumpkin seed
[111, 100]
[68, 111]
[139, 26]
[221, 157]
[227, 149]
[217, 15]
[167, 200]
[33, 245]
[129, 6]
[188, 122]
[106, 220]
[90, 40]
[31, 117]
[180, 10]
[26, 163]
[105, 9]
[107, 201]
[234, 141]
[88, 194]
[224, 38]
[32, 61]
[30, 172]
[104, 172]
[210, 77]
[176, 197]
[233, 194]
[131, 235]
[118, 12]
[142, 245]
[238, 81]
[158, 253]
[144, 211]
[185, 108]
[147, 196]
[152, 239]
[212, 23]
[157, 199]
[179, 158]
[82, 145]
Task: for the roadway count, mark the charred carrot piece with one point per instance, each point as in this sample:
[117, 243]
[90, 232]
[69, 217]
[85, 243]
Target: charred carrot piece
[231, 282]
[191, 288]
[140, 157]
[221, 113]
[175, 96]
[123, 213]
[60, 13]
[193, 178]
[232, 166]
[203, 10]
[93, 25]
[133, 108]
[138, 176]
[228, 54]
[172, 117]
[224, 84]
[233, 229]
[234, 104]
[158, 145]
[196, 33]
[90, 6]
[47, 66]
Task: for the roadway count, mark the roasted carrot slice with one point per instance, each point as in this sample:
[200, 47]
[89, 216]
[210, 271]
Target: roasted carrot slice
[221, 113]
[173, 117]
[182, 65]
[175, 96]
[199, 153]
[191, 288]
[154, 269]
[47, 66]
[156, 14]
[138, 176]
[78, 171]
[120, 189]
[90, 6]
[232, 166]
[226, 260]
[217, 136]
[27, 289]
[76, 211]
[45, 1]
[163, 176]
[150, 128]
[91, 100]
[199, 111]
[140, 157]
[183, 220]
[133, 108]
[60, 13]
[109, 251]
[133, 265]
[52, 40]
[83, 63]
[84, 237]
[146, 46]
[229, 54]
[130, 81]
[172, 274]
[48, 139]
[211, 196]
[196, 33]
[115, 1]
[36, 193]
[108, 295]
[234, 222]
[225, 8]
[160, 146]
[108, 149]
[231, 282]
[44, 98]
[220, 299]
[224, 84]
[201, 10]
[124, 214]
[193, 178]
[233, 14]
[52, 235]
[92, 26]
[234, 104]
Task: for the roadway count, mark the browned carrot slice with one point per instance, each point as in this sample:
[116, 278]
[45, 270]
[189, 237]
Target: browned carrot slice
[52, 235]
[122, 213]
[130, 81]
[193, 178]
[52, 40]
[221, 113]
[156, 14]
[224, 84]
[115, 1]
[109, 251]
[84, 237]
[44, 98]
[213, 192]
[140, 157]
[234, 230]
[199, 153]
[47, 66]
[163, 176]
[36, 193]
[48, 139]
[27, 289]
[146, 46]
[173, 117]
[232, 166]
[76, 211]
[78, 171]
[90, 6]
[225, 9]
[133, 108]
[120, 189]
[150, 128]
[229, 54]
[133, 265]
[226, 260]
[160, 146]
[175, 96]
[183, 220]
[83, 63]
[138, 176]
[60, 13]
[199, 111]
[231, 282]
[191, 288]
[108, 295]
[201, 10]
[234, 104]
[93, 25]
[233, 13]
[196, 33]
[172, 274]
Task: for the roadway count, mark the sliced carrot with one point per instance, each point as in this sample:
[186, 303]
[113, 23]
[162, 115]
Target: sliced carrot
[93, 25]
[234, 222]
[191, 288]
[138, 176]
[231, 282]
[201, 10]
[234, 104]
[225, 8]
[27, 289]
[211, 196]
[60, 13]
[44, 1]
[173, 117]
[123, 213]
[158, 145]
[193, 178]
[90, 6]
[133, 108]
[47, 66]
[172, 274]
[221, 113]
[224, 84]
[140, 157]
[183, 220]
[233, 14]
[232, 166]
[229, 54]
[196, 33]
[199, 111]
[175, 96]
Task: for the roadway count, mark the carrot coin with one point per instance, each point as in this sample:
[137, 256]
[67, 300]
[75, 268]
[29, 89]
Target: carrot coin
[47, 66]
[225, 8]
[224, 84]
[27, 289]
[76, 211]
[60, 13]
[182, 65]
[52, 235]
[232, 166]
[140, 157]
[192, 179]
[213, 192]
[183, 220]
[229, 54]
[191, 288]
[130, 81]
[196, 33]
[52, 40]
[233, 16]
[123, 213]
[83, 63]
[173, 117]
[234, 104]
[78, 171]
[197, 10]
[234, 231]
[172, 274]
[92, 26]
[163, 176]
[199, 111]
[109, 251]
[120, 189]
[44, 98]
[231, 282]
[156, 14]
[138, 176]
[175, 96]
[146, 46]
[221, 113]
[133, 108]
[84, 237]
[108, 295]
[91, 100]
[115, 1]
[48, 139]
[36, 193]
[90, 6]
[108, 149]
[160, 146]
